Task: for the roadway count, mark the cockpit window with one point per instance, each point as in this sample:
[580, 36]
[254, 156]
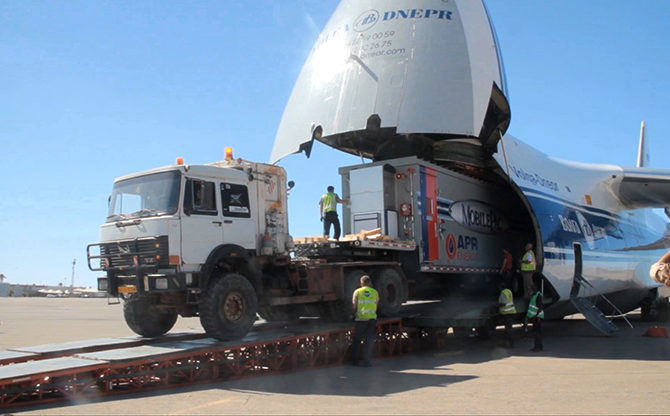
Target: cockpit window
[144, 196]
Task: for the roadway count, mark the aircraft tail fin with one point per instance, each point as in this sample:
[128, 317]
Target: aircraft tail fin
[643, 148]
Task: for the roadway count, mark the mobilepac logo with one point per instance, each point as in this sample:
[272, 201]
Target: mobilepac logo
[366, 20]
[478, 216]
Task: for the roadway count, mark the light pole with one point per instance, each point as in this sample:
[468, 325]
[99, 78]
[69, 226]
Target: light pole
[74, 261]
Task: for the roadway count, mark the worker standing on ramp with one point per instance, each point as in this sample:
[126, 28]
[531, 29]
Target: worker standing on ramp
[365, 300]
[507, 311]
[528, 266]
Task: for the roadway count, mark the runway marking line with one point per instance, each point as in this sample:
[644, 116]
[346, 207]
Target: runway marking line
[191, 409]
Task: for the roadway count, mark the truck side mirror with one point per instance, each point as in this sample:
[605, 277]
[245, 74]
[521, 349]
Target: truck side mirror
[290, 184]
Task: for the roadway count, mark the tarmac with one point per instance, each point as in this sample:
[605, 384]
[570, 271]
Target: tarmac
[579, 372]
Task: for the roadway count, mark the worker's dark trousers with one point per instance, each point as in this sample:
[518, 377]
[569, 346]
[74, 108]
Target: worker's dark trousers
[537, 333]
[363, 331]
[331, 218]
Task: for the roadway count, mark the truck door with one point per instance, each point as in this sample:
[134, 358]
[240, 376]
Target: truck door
[201, 223]
[238, 226]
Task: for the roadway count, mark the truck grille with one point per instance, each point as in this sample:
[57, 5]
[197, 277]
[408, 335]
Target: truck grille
[145, 251]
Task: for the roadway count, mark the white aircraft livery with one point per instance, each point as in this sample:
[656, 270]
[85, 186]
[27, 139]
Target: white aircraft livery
[399, 78]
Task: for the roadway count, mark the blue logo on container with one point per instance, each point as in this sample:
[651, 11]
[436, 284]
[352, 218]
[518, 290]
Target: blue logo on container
[366, 20]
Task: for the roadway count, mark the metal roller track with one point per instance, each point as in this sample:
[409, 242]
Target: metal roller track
[183, 362]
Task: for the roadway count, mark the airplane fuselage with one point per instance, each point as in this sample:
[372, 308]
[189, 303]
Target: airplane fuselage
[573, 203]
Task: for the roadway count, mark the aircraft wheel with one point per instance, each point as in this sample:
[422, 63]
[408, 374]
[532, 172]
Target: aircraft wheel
[146, 318]
[228, 307]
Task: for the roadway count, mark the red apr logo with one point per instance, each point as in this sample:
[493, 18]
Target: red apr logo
[271, 186]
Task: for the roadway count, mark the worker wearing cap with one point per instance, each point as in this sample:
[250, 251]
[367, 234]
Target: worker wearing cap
[365, 300]
[328, 211]
[507, 311]
[528, 266]
[535, 314]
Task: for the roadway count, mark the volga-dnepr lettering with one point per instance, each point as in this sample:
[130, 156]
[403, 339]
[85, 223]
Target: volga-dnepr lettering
[417, 14]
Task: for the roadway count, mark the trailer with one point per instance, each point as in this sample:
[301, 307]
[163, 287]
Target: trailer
[213, 241]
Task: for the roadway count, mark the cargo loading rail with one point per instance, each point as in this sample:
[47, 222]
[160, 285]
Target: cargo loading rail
[63, 373]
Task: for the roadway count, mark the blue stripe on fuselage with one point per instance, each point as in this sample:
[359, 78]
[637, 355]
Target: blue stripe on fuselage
[563, 223]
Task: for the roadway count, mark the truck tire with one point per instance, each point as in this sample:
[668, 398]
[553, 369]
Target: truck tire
[147, 319]
[228, 307]
[278, 313]
[341, 309]
[389, 285]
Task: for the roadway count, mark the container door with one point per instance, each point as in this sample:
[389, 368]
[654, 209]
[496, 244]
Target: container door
[428, 208]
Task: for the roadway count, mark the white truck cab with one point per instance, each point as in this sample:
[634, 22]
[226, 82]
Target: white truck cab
[168, 230]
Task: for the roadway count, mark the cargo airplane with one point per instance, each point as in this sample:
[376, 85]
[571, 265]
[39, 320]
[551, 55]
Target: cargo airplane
[425, 78]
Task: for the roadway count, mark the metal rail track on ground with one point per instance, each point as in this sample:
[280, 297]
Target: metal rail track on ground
[69, 372]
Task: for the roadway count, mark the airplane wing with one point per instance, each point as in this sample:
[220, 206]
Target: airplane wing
[645, 188]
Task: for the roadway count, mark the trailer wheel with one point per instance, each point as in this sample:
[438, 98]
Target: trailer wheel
[391, 291]
[278, 313]
[147, 319]
[228, 307]
[341, 309]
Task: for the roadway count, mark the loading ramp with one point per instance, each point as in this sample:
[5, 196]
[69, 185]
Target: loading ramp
[58, 373]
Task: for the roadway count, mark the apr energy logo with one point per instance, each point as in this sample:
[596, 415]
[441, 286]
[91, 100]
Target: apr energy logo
[451, 246]
[366, 20]
[463, 247]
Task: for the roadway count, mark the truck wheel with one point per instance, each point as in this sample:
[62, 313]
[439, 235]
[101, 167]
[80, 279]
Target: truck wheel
[278, 313]
[341, 309]
[147, 319]
[391, 291]
[228, 307]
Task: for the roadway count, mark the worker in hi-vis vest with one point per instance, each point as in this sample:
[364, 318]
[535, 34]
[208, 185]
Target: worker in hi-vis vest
[507, 311]
[365, 300]
[535, 314]
[528, 266]
[328, 210]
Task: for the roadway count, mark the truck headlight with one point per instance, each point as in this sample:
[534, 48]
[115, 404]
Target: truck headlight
[102, 284]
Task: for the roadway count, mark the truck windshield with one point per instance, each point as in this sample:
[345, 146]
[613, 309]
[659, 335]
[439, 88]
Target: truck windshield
[145, 196]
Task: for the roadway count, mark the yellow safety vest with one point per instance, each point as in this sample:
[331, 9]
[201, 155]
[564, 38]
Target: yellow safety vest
[329, 202]
[507, 298]
[533, 309]
[528, 257]
[367, 299]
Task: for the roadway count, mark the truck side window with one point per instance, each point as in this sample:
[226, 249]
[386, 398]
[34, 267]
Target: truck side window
[235, 200]
[200, 198]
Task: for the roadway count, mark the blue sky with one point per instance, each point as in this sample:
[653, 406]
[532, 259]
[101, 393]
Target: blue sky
[92, 90]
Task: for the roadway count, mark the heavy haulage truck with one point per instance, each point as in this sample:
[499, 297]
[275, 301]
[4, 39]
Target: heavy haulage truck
[213, 241]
